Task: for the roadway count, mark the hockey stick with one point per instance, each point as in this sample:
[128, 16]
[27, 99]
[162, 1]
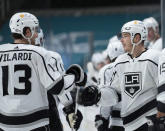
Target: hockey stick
[76, 105]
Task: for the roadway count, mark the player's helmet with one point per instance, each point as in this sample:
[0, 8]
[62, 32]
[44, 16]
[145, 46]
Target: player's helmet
[114, 38]
[115, 49]
[21, 20]
[135, 27]
[39, 41]
[97, 58]
[151, 22]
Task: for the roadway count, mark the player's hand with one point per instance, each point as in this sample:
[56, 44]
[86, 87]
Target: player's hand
[89, 96]
[101, 123]
[80, 75]
[160, 114]
[74, 120]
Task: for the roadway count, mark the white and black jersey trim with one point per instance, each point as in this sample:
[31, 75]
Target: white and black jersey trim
[124, 62]
[51, 67]
[61, 67]
[161, 89]
[105, 75]
[161, 105]
[66, 88]
[139, 112]
[24, 119]
[57, 87]
[56, 63]
[138, 61]
[149, 61]
[115, 113]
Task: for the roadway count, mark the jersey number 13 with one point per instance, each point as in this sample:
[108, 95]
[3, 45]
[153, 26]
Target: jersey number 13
[25, 79]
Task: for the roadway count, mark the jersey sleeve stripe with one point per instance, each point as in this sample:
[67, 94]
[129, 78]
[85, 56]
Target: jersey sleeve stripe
[67, 96]
[51, 67]
[161, 89]
[57, 87]
[61, 67]
[56, 63]
[115, 114]
[69, 86]
[119, 96]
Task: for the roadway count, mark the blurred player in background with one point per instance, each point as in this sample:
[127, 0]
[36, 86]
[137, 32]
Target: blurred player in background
[93, 67]
[109, 117]
[154, 39]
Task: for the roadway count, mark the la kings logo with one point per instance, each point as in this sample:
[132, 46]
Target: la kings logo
[132, 83]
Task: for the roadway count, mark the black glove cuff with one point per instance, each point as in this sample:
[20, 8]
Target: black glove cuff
[75, 70]
[161, 107]
[83, 83]
[69, 109]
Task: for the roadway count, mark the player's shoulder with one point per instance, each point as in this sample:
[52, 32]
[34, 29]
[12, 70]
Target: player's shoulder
[152, 54]
[158, 40]
[55, 55]
[122, 58]
[21, 47]
[36, 49]
[106, 67]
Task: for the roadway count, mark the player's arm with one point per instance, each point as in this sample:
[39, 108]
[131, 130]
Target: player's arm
[102, 119]
[60, 83]
[74, 75]
[57, 62]
[101, 78]
[161, 87]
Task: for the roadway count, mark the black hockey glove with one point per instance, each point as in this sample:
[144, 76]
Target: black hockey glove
[101, 123]
[89, 96]
[74, 120]
[156, 124]
[80, 75]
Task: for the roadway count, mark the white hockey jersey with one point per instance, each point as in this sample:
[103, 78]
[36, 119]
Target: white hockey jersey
[92, 75]
[157, 45]
[58, 63]
[137, 80]
[105, 79]
[25, 72]
[161, 88]
[105, 75]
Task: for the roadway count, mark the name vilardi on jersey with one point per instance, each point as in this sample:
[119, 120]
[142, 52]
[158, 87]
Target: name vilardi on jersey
[132, 83]
[15, 56]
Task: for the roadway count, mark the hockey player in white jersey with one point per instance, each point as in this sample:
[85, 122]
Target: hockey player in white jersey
[25, 74]
[135, 77]
[154, 39]
[54, 117]
[93, 67]
[114, 49]
[158, 122]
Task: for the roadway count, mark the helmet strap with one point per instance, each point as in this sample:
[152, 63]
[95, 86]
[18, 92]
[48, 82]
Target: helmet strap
[134, 44]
